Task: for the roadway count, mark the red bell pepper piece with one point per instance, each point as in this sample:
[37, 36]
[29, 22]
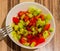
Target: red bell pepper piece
[47, 26]
[15, 20]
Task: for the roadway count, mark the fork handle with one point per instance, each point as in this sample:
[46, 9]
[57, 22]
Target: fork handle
[2, 35]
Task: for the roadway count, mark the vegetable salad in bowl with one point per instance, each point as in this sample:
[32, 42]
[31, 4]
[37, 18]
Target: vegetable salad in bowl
[31, 27]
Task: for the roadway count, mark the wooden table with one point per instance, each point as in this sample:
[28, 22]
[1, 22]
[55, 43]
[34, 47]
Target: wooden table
[52, 5]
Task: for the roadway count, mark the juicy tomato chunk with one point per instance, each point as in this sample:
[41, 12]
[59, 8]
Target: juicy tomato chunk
[37, 17]
[41, 40]
[21, 13]
[28, 28]
[32, 22]
[15, 20]
[47, 26]
[42, 17]
[23, 40]
[29, 36]
[26, 18]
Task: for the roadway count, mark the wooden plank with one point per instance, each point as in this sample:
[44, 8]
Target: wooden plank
[26, 0]
[3, 16]
[56, 13]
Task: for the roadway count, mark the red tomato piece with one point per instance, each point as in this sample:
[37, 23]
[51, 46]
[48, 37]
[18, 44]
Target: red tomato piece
[47, 26]
[32, 22]
[23, 40]
[15, 20]
[37, 17]
[28, 28]
[42, 17]
[41, 40]
[26, 18]
[20, 13]
[29, 36]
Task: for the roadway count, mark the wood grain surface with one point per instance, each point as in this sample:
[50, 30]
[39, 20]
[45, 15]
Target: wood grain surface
[52, 5]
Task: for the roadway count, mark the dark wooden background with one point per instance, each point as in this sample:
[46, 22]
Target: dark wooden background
[52, 5]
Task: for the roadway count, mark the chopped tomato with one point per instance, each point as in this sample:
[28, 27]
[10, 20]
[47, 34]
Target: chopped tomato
[23, 40]
[15, 20]
[41, 40]
[28, 28]
[32, 22]
[37, 17]
[20, 13]
[47, 26]
[26, 18]
[29, 36]
[42, 17]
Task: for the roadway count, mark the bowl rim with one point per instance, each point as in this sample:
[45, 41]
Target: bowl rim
[49, 13]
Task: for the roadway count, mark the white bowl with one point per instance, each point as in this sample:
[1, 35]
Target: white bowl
[24, 6]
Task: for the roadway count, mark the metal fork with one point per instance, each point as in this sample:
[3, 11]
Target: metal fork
[5, 31]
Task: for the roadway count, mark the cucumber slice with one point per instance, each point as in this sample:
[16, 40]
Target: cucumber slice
[14, 35]
[20, 25]
[25, 32]
[27, 22]
[16, 27]
[22, 22]
[22, 17]
[39, 30]
[51, 29]
[31, 9]
[45, 34]
[13, 25]
[33, 44]
[40, 22]
[30, 15]
[26, 44]
[48, 17]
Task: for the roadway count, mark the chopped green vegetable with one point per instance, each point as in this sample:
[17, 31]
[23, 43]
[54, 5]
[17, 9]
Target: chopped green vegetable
[22, 22]
[34, 32]
[39, 30]
[20, 25]
[18, 36]
[33, 28]
[39, 11]
[14, 35]
[51, 29]
[25, 32]
[45, 34]
[22, 17]
[31, 9]
[40, 22]
[48, 17]
[13, 25]
[30, 15]
[26, 44]
[22, 31]
[33, 44]
[27, 22]
[16, 27]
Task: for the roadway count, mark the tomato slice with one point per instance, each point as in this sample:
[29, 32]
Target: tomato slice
[37, 17]
[42, 17]
[41, 40]
[21, 13]
[15, 20]
[26, 18]
[47, 26]
[23, 40]
[28, 28]
[32, 22]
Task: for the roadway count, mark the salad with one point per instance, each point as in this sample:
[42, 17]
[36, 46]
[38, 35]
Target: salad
[31, 27]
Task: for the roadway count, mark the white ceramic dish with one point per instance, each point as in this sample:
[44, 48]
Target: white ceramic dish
[24, 6]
